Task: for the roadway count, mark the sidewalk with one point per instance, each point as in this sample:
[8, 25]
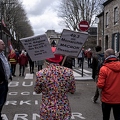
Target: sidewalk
[80, 77]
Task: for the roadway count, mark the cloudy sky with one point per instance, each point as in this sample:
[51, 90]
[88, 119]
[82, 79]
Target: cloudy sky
[43, 15]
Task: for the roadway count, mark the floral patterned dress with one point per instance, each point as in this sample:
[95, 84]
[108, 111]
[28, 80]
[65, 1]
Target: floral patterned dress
[55, 82]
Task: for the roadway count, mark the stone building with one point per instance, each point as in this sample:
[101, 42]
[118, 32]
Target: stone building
[109, 25]
[92, 38]
[53, 36]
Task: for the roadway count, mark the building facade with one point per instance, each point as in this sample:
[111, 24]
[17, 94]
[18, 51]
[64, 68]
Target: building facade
[109, 26]
[53, 37]
[92, 38]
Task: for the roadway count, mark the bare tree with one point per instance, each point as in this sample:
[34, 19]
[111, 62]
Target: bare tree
[73, 11]
[16, 19]
[21, 22]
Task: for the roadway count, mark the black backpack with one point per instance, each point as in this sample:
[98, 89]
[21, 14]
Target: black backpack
[101, 59]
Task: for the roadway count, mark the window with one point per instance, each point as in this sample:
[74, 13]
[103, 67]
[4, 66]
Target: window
[115, 42]
[106, 42]
[115, 15]
[107, 19]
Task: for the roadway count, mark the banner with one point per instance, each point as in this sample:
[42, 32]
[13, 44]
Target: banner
[3, 23]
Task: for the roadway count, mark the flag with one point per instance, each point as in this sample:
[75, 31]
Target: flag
[11, 49]
[3, 23]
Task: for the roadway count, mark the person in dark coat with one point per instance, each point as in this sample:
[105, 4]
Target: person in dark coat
[5, 75]
[68, 62]
[95, 70]
[31, 64]
[40, 64]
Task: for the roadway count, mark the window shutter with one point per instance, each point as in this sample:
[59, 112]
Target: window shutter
[112, 44]
[118, 42]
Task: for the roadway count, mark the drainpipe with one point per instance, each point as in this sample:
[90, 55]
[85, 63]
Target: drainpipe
[103, 32]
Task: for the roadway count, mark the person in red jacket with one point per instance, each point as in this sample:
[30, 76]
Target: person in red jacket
[109, 83]
[12, 58]
[23, 61]
[89, 56]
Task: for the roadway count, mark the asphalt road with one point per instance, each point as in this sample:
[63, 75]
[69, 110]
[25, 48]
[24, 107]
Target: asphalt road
[23, 104]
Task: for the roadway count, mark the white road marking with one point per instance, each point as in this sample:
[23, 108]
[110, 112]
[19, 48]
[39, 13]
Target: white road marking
[86, 71]
[76, 75]
[28, 76]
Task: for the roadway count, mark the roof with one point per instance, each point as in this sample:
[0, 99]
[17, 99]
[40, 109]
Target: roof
[107, 2]
[101, 14]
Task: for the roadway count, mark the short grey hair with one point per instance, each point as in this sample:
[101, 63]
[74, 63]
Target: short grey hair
[109, 52]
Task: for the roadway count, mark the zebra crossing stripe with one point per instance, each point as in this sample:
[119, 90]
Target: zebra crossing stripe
[30, 76]
[86, 71]
[75, 70]
[76, 75]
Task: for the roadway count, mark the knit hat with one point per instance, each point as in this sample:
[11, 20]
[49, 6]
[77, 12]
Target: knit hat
[57, 59]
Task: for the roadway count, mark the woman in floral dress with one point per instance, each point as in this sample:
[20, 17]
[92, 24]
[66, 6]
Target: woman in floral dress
[54, 82]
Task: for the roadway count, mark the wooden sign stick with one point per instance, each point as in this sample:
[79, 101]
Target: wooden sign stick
[63, 60]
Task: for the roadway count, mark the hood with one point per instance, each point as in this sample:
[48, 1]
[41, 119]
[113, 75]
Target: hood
[98, 53]
[23, 55]
[101, 54]
[113, 64]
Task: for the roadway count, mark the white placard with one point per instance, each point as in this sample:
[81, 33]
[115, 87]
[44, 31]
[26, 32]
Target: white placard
[71, 42]
[37, 47]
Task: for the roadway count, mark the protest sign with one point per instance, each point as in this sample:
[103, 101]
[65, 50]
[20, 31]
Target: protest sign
[37, 47]
[71, 42]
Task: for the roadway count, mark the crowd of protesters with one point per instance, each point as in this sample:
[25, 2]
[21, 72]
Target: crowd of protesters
[23, 59]
[107, 70]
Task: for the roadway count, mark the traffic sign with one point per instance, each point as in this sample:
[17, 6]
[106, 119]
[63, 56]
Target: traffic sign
[83, 25]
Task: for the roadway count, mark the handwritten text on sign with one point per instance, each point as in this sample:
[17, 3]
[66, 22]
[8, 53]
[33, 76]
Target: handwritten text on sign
[37, 47]
[71, 43]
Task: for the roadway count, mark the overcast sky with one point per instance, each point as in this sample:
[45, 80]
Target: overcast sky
[43, 15]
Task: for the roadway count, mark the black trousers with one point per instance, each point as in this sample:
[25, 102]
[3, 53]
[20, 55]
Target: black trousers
[89, 62]
[31, 64]
[39, 67]
[80, 61]
[3, 95]
[13, 68]
[96, 96]
[22, 69]
[106, 109]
